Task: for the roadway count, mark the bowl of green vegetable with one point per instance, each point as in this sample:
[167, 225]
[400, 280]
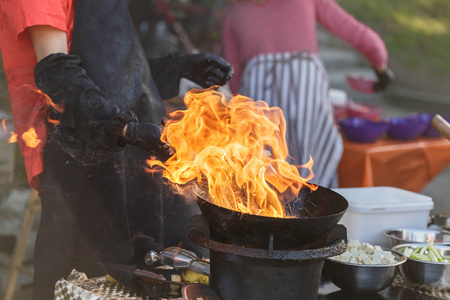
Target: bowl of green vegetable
[427, 263]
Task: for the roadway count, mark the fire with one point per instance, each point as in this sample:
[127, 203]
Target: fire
[13, 137]
[58, 107]
[236, 148]
[31, 138]
[55, 122]
[48, 102]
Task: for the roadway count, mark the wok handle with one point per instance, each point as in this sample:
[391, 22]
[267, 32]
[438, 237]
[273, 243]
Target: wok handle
[441, 125]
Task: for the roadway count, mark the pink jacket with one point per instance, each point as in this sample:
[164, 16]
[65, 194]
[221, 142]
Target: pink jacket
[290, 26]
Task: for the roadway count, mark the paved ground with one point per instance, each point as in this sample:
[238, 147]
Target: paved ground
[339, 61]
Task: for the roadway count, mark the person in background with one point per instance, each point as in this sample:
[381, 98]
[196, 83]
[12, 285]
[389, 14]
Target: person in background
[273, 48]
[77, 75]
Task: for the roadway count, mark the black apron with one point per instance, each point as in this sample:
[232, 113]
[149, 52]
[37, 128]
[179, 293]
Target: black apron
[111, 211]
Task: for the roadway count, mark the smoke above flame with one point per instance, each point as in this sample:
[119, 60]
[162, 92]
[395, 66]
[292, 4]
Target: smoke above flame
[234, 150]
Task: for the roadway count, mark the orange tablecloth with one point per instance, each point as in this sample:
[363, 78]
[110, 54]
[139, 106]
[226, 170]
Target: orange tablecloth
[409, 165]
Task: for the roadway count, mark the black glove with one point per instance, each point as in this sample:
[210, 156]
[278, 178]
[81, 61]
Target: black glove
[205, 69]
[148, 137]
[62, 78]
[113, 129]
[385, 78]
[91, 123]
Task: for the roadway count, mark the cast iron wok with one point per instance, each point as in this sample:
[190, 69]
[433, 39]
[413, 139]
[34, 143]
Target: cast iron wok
[315, 213]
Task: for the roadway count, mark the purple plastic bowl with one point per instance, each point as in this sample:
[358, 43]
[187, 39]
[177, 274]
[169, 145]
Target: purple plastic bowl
[430, 131]
[407, 128]
[362, 130]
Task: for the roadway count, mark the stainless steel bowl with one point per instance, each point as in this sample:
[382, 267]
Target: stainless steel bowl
[426, 272]
[361, 279]
[410, 235]
[441, 220]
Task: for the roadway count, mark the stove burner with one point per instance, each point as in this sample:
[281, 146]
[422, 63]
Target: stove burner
[239, 272]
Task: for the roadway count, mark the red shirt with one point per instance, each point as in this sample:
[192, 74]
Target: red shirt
[29, 107]
[291, 26]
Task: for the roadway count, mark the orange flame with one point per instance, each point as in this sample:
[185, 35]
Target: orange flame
[58, 108]
[56, 122]
[31, 138]
[237, 148]
[13, 137]
[48, 101]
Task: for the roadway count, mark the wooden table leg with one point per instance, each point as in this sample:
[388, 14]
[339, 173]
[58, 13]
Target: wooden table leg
[33, 206]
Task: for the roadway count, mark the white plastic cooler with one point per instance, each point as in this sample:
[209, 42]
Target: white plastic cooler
[373, 210]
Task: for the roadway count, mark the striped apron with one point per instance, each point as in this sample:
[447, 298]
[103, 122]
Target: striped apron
[298, 84]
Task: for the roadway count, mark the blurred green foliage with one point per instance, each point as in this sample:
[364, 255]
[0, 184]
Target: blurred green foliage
[416, 32]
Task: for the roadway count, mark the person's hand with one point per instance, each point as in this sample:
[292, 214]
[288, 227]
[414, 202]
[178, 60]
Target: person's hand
[385, 77]
[61, 77]
[206, 69]
[90, 122]
[148, 137]
[113, 129]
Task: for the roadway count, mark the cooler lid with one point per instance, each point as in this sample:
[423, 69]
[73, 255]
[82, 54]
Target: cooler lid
[382, 199]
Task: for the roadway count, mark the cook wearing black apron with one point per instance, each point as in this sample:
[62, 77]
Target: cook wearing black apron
[99, 205]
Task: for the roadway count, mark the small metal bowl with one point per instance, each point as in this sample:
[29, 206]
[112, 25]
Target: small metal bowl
[399, 236]
[359, 279]
[442, 220]
[426, 272]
